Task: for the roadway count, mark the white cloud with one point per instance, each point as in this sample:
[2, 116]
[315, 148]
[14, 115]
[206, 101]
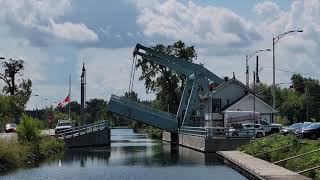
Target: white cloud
[108, 72]
[39, 16]
[267, 8]
[207, 25]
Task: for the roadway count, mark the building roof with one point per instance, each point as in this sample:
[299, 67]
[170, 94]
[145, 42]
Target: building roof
[226, 83]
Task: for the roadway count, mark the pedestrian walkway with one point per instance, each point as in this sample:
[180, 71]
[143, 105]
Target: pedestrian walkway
[257, 168]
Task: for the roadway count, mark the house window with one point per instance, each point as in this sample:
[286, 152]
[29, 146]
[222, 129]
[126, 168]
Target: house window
[216, 105]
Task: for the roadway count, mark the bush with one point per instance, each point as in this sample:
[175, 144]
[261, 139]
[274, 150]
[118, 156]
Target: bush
[51, 145]
[154, 133]
[29, 128]
[11, 154]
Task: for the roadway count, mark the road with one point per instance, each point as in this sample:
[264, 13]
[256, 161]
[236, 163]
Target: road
[9, 136]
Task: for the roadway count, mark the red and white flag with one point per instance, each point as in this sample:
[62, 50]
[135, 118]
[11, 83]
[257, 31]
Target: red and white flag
[64, 102]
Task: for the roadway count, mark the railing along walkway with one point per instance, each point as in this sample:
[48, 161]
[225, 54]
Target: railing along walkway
[81, 130]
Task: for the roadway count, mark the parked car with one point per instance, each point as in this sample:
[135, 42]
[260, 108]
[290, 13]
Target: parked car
[62, 125]
[311, 132]
[11, 127]
[294, 128]
[270, 128]
[247, 130]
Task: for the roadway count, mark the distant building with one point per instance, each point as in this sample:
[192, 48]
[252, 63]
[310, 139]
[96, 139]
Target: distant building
[232, 95]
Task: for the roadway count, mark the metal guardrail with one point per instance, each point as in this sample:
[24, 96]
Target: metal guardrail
[206, 132]
[81, 130]
[296, 156]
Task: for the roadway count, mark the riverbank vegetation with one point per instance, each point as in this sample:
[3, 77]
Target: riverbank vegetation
[261, 148]
[30, 148]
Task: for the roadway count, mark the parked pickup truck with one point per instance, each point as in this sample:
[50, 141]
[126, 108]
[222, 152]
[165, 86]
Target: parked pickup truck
[247, 130]
[270, 128]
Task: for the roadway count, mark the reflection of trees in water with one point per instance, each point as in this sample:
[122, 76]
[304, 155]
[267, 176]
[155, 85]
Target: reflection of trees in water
[85, 155]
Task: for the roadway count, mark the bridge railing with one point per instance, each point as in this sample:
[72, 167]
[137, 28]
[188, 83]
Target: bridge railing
[207, 132]
[142, 106]
[81, 130]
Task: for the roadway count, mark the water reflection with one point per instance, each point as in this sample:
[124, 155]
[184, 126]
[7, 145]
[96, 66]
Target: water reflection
[131, 156]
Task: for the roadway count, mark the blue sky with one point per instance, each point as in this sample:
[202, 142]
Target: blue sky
[54, 37]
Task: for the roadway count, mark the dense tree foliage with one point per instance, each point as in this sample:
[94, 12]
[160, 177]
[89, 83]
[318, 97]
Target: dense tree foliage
[16, 86]
[166, 83]
[299, 102]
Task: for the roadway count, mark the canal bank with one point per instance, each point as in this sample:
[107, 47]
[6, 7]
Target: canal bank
[131, 156]
[205, 144]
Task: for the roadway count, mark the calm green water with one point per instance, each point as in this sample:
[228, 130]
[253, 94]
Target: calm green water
[130, 157]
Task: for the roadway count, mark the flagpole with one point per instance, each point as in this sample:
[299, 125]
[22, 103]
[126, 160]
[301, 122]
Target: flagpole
[69, 96]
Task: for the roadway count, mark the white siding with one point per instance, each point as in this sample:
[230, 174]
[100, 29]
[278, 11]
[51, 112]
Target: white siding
[232, 92]
[246, 104]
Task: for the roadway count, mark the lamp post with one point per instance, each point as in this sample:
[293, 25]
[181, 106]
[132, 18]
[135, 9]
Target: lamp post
[274, 41]
[248, 57]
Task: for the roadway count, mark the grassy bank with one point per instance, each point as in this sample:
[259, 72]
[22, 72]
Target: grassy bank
[15, 154]
[30, 148]
[297, 146]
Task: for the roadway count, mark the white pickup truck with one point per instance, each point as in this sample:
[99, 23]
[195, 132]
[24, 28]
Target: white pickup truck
[270, 128]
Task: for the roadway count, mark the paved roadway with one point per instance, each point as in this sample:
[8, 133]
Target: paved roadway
[9, 136]
[48, 132]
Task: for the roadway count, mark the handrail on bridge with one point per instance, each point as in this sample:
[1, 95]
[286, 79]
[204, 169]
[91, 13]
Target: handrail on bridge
[81, 130]
[150, 109]
[206, 132]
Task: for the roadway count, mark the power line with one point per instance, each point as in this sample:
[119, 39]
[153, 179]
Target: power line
[293, 72]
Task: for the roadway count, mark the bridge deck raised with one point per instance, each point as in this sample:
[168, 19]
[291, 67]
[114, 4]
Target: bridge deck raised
[258, 168]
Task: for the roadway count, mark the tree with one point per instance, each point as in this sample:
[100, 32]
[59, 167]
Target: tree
[5, 110]
[97, 109]
[166, 83]
[292, 105]
[20, 93]
[133, 96]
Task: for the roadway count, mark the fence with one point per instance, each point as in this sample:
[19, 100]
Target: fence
[81, 130]
[205, 132]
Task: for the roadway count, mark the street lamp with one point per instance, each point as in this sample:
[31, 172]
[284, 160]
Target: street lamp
[274, 41]
[248, 57]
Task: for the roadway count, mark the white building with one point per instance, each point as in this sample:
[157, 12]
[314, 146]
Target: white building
[232, 95]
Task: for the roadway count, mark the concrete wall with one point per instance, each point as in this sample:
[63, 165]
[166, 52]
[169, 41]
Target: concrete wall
[211, 144]
[98, 138]
[170, 137]
[194, 142]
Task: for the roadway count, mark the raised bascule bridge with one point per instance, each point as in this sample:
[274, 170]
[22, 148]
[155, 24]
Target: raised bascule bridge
[188, 126]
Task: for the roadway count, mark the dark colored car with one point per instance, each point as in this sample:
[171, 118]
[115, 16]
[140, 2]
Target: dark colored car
[311, 132]
[11, 127]
[294, 128]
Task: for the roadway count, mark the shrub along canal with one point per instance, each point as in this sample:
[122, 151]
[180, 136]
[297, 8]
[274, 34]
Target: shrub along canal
[131, 156]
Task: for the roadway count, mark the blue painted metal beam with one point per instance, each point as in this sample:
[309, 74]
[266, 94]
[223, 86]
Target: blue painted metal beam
[138, 112]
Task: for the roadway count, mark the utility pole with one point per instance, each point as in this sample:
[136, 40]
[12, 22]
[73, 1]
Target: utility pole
[248, 57]
[257, 71]
[254, 104]
[247, 71]
[307, 100]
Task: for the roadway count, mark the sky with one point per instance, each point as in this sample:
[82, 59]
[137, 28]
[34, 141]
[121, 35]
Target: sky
[54, 38]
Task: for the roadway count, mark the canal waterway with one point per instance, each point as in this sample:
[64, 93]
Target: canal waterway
[131, 157]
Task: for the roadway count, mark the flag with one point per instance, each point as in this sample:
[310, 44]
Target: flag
[64, 102]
